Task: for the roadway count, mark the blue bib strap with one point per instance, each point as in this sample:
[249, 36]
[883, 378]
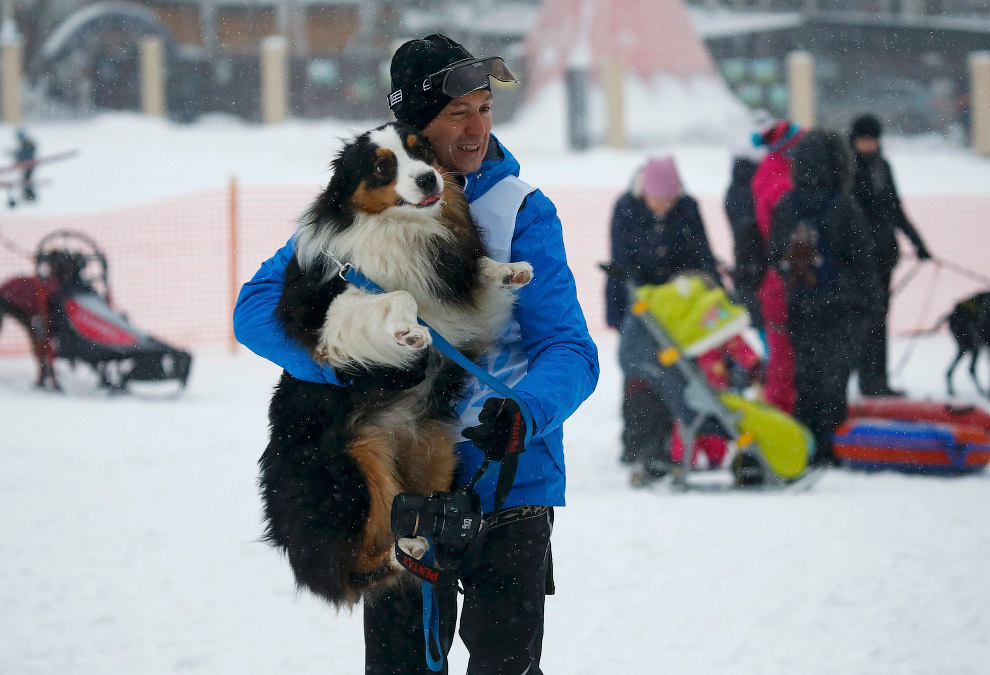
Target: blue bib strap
[431, 619]
[350, 274]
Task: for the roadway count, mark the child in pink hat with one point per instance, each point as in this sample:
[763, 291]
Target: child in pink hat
[660, 179]
[656, 233]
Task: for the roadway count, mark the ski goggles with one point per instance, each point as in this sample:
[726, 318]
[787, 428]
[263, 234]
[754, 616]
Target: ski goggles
[463, 77]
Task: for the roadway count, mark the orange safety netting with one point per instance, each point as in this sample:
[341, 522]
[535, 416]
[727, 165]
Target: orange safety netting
[176, 265]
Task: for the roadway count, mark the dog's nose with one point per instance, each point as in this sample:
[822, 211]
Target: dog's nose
[427, 182]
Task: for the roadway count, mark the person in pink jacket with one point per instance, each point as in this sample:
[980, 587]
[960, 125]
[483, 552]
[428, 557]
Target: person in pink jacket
[772, 181]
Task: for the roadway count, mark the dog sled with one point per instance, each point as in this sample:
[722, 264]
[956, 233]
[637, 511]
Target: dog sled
[914, 436]
[667, 328]
[67, 311]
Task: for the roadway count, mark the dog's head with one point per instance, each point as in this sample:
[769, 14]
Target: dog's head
[388, 176]
[391, 167]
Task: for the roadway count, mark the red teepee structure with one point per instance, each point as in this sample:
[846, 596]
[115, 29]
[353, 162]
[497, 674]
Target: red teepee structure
[647, 37]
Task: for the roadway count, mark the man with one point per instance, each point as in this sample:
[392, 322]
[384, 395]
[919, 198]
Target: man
[819, 244]
[546, 356]
[874, 190]
[25, 154]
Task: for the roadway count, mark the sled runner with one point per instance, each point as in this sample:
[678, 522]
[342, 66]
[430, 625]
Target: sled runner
[684, 319]
[923, 447]
[67, 311]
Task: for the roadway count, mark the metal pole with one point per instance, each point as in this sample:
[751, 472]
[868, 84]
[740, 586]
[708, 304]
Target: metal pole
[11, 65]
[979, 101]
[232, 249]
[208, 26]
[801, 79]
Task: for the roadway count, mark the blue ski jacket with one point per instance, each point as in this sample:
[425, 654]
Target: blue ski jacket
[554, 360]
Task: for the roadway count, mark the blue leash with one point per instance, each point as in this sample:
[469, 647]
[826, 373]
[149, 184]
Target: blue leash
[431, 609]
[350, 274]
[431, 618]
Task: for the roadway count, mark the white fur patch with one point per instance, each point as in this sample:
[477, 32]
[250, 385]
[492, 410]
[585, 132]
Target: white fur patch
[414, 546]
[363, 329]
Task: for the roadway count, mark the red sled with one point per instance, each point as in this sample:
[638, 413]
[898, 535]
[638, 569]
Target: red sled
[894, 408]
[918, 447]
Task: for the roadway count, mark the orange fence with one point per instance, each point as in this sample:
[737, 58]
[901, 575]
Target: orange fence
[176, 265]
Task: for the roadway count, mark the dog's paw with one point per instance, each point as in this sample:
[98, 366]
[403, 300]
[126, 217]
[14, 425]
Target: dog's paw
[517, 275]
[414, 546]
[402, 324]
[510, 276]
[414, 337]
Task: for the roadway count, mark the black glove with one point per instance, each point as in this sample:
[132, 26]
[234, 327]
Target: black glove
[923, 253]
[502, 429]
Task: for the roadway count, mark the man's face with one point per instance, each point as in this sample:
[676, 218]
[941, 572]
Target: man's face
[866, 146]
[459, 134]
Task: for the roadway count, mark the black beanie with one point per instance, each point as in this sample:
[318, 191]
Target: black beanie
[413, 62]
[866, 126]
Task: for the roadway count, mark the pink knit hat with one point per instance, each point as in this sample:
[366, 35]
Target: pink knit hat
[660, 178]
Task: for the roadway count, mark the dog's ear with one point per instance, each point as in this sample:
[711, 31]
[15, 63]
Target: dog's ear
[331, 205]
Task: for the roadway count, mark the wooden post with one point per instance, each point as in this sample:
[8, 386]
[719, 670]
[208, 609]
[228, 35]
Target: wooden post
[153, 76]
[274, 80]
[979, 101]
[913, 7]
[801, 80]
[11, 77]
[614, 81]
[232, 251]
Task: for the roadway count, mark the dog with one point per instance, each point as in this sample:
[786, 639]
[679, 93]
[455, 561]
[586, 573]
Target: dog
[969, 323]
[337, 456]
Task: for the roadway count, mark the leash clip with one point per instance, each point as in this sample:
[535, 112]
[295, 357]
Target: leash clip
[342, 268]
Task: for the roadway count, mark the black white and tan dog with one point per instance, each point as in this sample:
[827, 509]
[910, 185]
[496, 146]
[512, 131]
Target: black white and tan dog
[337, 456]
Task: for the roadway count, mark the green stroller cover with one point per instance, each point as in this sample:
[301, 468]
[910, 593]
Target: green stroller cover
[696, 317]
[699, 318]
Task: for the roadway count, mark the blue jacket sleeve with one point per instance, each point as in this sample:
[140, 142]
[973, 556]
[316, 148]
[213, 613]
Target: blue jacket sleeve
[257, 328]
[563, 360]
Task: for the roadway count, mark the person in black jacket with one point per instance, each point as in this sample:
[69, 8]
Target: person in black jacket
[819, 242]
[748, 248]
[874, 190]
[657, 232]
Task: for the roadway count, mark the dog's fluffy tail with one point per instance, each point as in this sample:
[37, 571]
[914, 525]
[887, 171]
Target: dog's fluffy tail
[315, 502]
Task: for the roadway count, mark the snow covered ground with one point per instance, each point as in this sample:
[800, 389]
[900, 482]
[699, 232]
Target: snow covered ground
[131, 527]
[131, 523]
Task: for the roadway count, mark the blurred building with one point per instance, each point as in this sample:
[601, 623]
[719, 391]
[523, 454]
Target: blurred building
[82, 55]
[873, 7]
[904, 59]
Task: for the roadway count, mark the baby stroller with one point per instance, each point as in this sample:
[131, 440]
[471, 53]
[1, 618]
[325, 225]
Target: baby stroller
[66, 310]
[667, 328]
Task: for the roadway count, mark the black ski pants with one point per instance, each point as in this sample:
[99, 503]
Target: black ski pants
[646, 423]
[823, 356]
[871, 350]
[501, 613]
